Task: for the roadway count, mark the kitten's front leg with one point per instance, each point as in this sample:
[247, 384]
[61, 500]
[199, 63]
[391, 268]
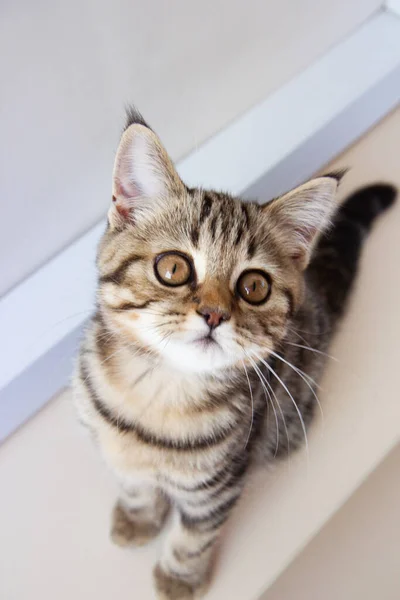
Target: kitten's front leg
[184, 570]
[138, 515]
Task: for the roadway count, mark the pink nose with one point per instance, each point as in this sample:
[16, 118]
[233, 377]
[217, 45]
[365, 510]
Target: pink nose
[213, 317]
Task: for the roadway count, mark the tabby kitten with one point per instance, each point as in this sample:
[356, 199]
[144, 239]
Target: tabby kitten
[213, 316]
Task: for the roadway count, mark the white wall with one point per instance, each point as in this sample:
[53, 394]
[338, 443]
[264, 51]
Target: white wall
[67, 69]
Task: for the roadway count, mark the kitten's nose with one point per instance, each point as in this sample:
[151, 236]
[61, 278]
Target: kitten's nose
[213, 316]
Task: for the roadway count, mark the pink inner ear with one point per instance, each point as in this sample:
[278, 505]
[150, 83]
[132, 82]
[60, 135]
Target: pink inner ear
[305, 237]
[123, 210]
[122, 199]
[126, 192]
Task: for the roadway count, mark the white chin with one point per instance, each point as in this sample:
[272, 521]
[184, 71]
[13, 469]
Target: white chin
[196, 357]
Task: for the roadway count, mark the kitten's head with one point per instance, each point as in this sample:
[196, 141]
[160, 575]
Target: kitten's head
[199, 278]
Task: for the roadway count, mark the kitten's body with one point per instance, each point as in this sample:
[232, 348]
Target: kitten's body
[179, 419]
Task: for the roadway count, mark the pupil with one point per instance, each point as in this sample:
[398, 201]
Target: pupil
[254, 286]
[174, 269]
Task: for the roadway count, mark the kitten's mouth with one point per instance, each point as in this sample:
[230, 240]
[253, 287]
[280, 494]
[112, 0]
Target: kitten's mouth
[206, 341]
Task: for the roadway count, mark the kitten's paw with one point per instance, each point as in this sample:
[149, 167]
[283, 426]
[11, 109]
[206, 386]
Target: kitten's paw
[170, 587]
[125, 531]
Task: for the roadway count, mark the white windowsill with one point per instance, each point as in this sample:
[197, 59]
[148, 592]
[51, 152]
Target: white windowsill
[274, 146]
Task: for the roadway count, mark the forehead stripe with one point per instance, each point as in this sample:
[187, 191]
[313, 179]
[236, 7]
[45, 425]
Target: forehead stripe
[194, 235]
[206, 207]
[239, 235]
[117, 276]
[246, 215]
[213, 227]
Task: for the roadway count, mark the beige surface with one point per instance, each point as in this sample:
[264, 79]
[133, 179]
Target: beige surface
[69, 67]
[356, 555]
[56, 496]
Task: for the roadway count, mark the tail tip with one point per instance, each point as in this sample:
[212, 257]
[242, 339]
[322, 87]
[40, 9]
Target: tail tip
[369, 202]
[386, 192]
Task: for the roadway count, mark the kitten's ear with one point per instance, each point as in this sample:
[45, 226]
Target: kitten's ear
[300, 215]
[144, 175]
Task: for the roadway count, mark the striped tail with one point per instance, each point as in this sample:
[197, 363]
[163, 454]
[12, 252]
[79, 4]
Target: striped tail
[335, 262]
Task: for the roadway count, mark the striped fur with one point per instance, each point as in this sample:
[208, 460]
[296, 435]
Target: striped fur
[179, 421]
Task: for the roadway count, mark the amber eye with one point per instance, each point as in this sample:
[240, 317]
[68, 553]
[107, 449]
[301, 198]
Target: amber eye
[173, 268]
[254, 286]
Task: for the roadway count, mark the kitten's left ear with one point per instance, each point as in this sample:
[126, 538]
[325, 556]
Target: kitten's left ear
[300, 215]
[144, 175]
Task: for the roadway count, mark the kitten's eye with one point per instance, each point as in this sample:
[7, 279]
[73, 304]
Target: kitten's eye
[173, 269]
[254, 286]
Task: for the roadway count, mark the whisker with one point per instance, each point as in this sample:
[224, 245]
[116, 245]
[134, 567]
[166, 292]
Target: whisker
[297, 369]
[312, 333]
[312, 350]
[290, 365]
[261, 378]
[303, 376]
[154, 326]
[280, 410]
[293, 401]
[166, 337]
[252, 404]
[106, 335]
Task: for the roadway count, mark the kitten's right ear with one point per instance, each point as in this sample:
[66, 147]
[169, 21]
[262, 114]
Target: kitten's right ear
[144, 176]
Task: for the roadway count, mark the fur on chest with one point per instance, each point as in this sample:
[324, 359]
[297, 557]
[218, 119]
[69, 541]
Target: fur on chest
[153, 421]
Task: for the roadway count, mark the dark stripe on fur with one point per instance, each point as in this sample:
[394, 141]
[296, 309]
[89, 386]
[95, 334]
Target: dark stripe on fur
[207, 484]
[145, 436]
[246, 215]
[194, 236]
[213, 227]
[130, 306]
[232, 480]
[120, 424]
[103, 339]
[219, 521]
[205, 207]
[225, 216]
[290, 299]
[234, 477]
[117, 276]
[239, 235]
[215, 515]
[251, 250]
[182, 556]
